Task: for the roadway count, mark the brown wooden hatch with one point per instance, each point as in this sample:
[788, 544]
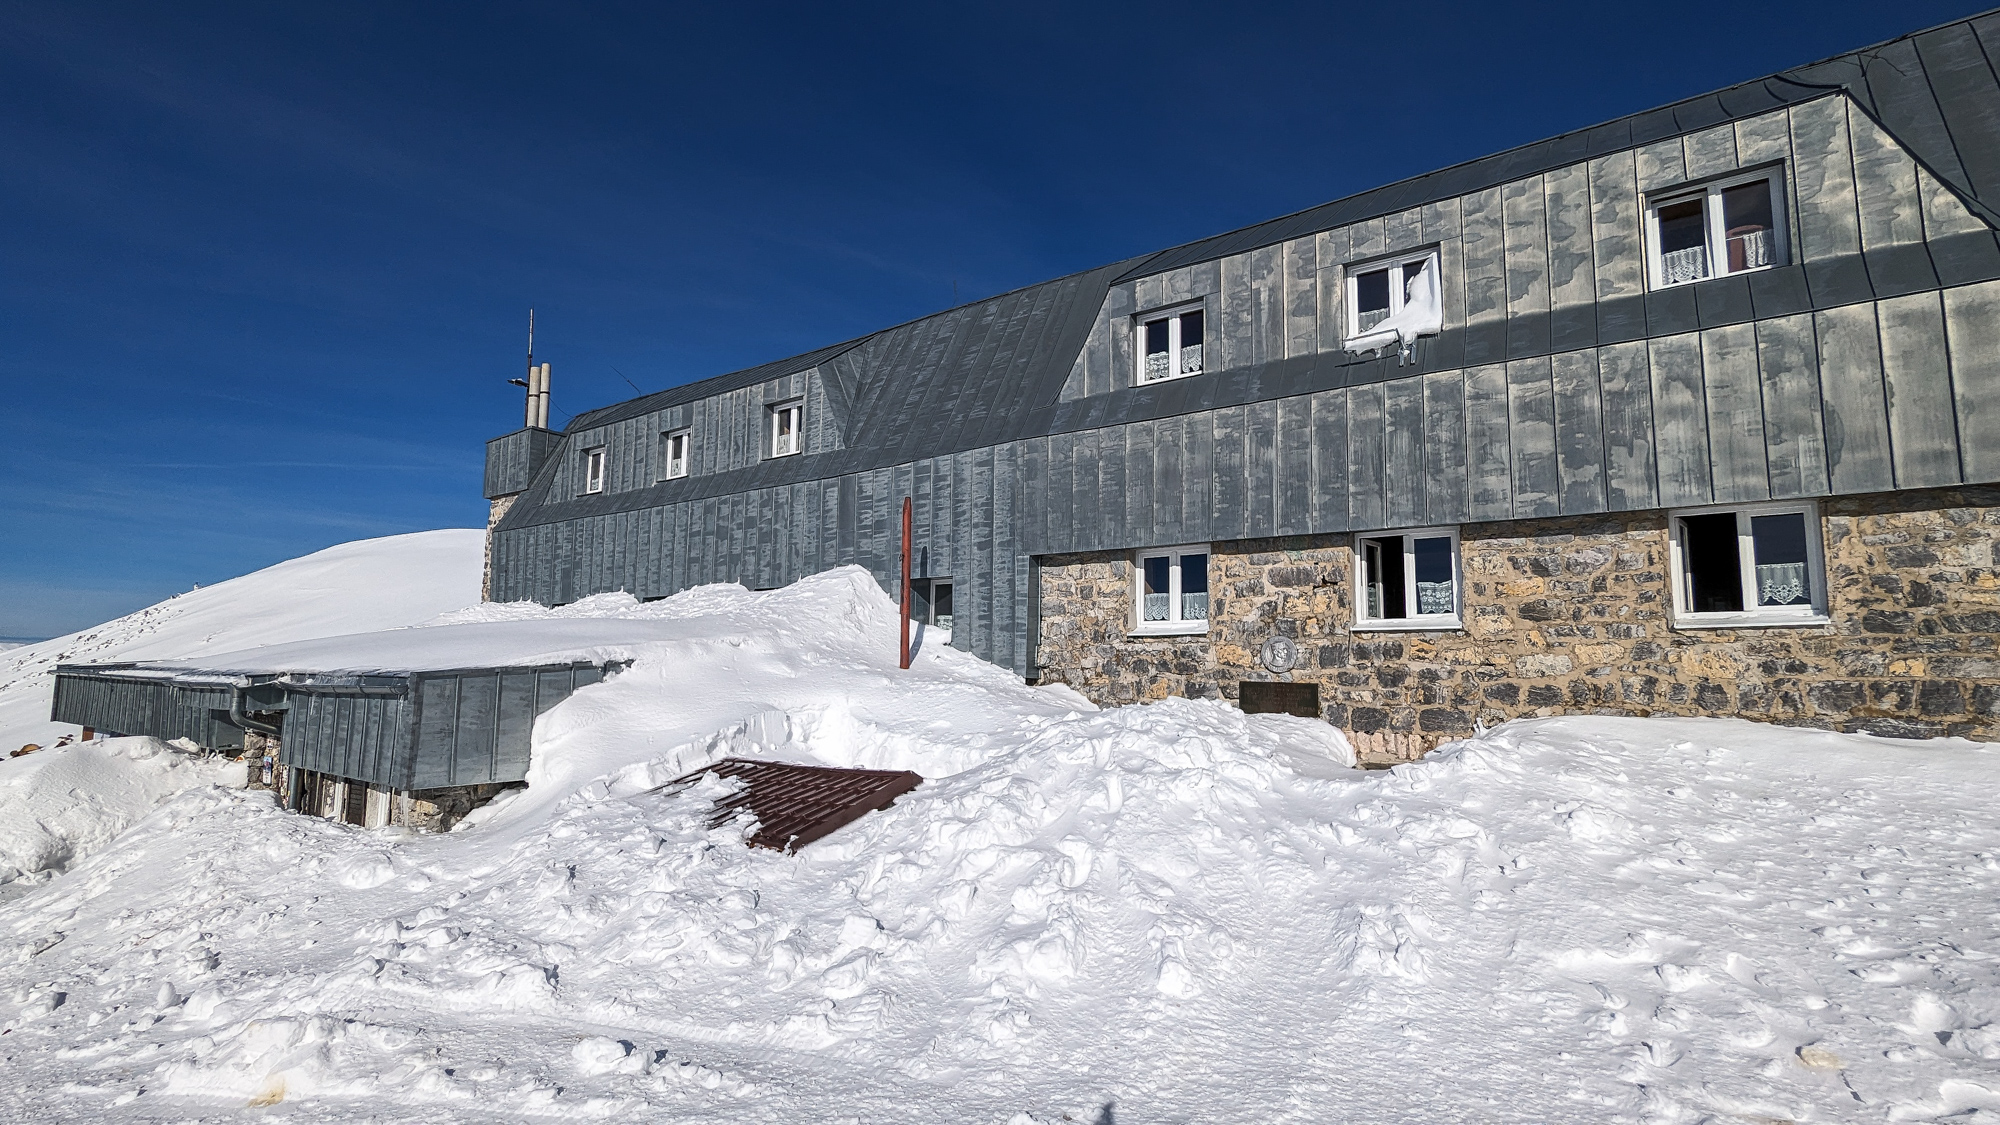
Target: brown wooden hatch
[796, 805]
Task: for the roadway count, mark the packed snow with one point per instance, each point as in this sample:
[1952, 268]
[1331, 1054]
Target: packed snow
[1169, 912]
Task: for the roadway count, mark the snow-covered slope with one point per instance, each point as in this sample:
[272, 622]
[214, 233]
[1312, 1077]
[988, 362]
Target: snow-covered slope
[352, 588]
[60, 802]
[1172, 912]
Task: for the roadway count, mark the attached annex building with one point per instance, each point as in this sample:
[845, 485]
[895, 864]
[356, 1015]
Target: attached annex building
[1692, 412]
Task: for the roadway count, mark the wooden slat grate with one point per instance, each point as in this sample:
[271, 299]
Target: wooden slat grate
[796, 805]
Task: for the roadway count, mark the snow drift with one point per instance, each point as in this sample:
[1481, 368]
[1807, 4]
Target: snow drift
[1171, 912]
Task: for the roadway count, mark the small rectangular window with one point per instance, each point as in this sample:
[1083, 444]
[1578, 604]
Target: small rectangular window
[1748, 566]
[593, 469]
[1170, 345]
[787, 425]
[932, 603]
[674, 454]
[1725, 228]
[1172, 590]
[1377, 292]
[1407, 581]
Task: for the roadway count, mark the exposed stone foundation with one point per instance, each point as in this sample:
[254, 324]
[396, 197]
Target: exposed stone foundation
[496, 512]
[1571, 616]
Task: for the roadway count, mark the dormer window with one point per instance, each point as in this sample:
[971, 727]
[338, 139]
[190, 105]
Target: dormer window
[674, 454]
[787, 423]
[1170, 345]
[1725, 228]
[593, 469]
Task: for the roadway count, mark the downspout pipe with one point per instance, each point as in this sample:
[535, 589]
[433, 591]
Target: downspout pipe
[242, 721]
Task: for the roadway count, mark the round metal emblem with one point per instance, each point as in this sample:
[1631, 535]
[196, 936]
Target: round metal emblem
[1279, 654]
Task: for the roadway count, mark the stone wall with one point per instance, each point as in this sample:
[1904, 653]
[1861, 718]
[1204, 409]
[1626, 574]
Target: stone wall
[1569, 616]
[494, 514]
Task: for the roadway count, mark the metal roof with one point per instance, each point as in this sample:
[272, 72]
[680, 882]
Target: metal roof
[991, 370]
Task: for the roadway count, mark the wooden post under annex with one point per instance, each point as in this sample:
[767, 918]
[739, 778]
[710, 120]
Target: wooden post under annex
[905, 647]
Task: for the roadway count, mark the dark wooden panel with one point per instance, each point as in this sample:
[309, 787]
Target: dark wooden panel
[1922, 429]
[1579, 432]
[1794, 435]
[1972, 325]
[1490, 457]
[1263, 697]
[1680, 421]
[1735, 414]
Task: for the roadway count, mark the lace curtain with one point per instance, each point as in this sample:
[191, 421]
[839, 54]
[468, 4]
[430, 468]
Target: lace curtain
[1781, 584]
[1690, 264]
[1434, 597]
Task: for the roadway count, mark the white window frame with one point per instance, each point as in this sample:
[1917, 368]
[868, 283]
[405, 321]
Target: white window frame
[1173, 318]
[670, 469]
[1753, 617]
[593, 469]
[1397, 283]
[1415, 622]
[1716, 236]
[1175, 626]
[772, 446]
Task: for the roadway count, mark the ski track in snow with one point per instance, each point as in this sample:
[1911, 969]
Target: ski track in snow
[1175, 911]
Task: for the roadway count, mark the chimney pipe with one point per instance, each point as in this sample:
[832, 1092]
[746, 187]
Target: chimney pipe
[542, 400]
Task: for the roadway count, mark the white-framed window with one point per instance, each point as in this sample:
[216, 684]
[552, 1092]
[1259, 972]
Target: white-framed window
[593, 469]
[1170, 344]
[1407, 580]
[674, 454]
[1380, 290]
[787, 424]
[1730, 226]
[1747, 566]
[1170, 590]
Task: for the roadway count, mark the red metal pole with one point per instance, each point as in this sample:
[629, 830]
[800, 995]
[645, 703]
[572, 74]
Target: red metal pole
[905, 649]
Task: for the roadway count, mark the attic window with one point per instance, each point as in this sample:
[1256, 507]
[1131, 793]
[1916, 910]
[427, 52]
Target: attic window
[787, 420]
[1725, 228]
[1391, 304]
[1170, 346]
[593, 469]
[674, 455]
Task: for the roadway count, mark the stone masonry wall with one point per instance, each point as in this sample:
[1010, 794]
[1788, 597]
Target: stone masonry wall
[1571, 616]
[494, 514]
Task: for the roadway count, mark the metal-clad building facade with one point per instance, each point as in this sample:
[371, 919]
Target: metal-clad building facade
[1560, 384]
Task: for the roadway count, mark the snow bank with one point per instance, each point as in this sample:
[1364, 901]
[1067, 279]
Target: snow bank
[355, 587]
[66, 801]
[1172, 912]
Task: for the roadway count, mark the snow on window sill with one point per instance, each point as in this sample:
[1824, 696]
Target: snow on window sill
[1751, 620]
[1170, 629]
[1437, 624]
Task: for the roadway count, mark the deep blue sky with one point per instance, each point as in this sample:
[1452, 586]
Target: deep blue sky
[264, 268]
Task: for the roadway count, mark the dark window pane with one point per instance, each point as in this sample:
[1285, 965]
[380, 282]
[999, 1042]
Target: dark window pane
[1194, 587]
[1681, 226]
[1746, 223]
[1190, 329]
[1714, 569]
[1371, 300]
[1780, 546]
[1156, 337]
[1435, 593]
[1157, 603]
[1385, 578]
[940, 602]
[1411, 270]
